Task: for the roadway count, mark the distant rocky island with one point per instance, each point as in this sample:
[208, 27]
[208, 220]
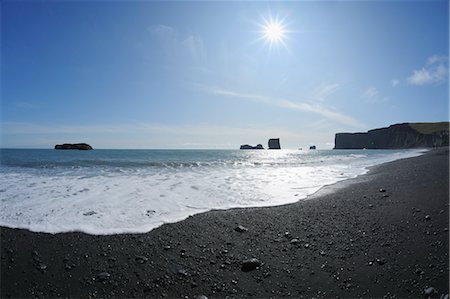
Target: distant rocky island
[274, 143]
[398, 136]
[246, 146]
[73, 146]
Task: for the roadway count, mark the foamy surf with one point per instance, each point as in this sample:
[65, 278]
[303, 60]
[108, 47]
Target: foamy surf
[113, 192]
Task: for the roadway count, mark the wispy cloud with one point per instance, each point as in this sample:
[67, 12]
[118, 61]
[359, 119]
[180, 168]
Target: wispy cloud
[373, 95]
[176, 45]
[371, 92]
[322, 92]
[321, 110]
[395, 82]
[434, 72]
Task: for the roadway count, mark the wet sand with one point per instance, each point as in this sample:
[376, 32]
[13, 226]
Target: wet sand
[383, 234]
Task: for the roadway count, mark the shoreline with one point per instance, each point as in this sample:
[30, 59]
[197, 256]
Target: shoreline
[347, 239]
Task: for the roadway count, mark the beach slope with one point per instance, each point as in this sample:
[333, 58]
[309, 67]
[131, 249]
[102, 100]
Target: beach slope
[382, 234]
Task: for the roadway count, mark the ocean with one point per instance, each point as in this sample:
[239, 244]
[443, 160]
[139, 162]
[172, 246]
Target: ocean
[134, 191]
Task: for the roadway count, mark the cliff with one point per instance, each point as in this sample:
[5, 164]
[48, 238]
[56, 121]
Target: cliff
[75, 146]
[399, 136]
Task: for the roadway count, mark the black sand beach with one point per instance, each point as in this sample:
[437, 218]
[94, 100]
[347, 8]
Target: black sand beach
[349, 240]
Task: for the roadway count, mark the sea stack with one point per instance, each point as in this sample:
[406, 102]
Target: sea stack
[274, 143]
[246, 147]
[73, 146]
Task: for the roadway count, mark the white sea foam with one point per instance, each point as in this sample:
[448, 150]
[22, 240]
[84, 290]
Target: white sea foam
[110, 200]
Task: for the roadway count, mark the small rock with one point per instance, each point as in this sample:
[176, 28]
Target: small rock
[41, 266]
[90, 213]
[294, 241]
[370, 206]
[201, 297]
[385, 196]
[167, 247]
[240, 229]
[427, 217]
[322, 253]
[68, 267]
[382, 190]
[429, 291]
[140, 259]
[381, 261]
[183, 272]
[306, 245]
[103, 276]
[250, 264]
[287, 234]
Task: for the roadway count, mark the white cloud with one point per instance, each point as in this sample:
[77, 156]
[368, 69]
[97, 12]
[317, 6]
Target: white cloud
[371, 93]
[324, 91]
[176, 45]
[321, 110]
[434, 72]
[395, 82]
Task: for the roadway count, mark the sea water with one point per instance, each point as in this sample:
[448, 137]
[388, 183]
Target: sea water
[135, 191]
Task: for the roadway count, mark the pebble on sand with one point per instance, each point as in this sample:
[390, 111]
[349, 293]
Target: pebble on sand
[250, 264]
[103, 276]
[241, 229]
[429, 291]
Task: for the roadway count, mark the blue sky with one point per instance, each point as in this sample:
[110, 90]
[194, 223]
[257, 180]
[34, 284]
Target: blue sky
[201, 74]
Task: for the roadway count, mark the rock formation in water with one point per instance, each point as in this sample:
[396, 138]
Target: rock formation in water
[398, 136]
[274, 143]
[246, 146]
[73, 146]
[312, 147]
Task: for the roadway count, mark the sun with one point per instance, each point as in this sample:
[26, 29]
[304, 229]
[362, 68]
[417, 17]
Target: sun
[274, 32]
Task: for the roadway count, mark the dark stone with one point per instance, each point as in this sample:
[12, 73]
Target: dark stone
[406, 135]
[41, 266]
[241, 229]
[312, 147]
[103, 276]
[73, 146]
[250, 264]
[381, 261]
[274, 143]
[246, 147]
[429, 291]
[140, 259]
[90, 213]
